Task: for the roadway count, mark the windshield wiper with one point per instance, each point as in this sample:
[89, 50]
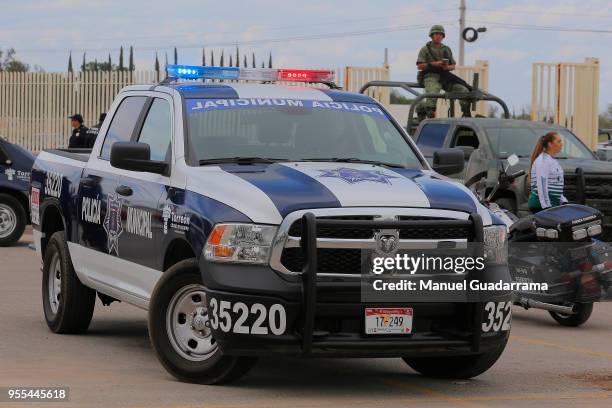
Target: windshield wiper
[240, 160]
[354, 160]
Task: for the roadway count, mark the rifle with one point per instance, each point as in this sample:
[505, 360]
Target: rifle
[446, 77]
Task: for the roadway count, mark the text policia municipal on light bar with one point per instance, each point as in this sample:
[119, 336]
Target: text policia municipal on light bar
[250, 74]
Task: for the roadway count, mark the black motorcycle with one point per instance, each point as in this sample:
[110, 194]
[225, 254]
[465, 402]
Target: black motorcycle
[556, 247]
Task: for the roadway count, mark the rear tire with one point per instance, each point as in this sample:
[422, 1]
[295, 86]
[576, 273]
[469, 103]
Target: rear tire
[583, 313]
[182, 342]
[13, 220]
[67, 303]
[458, 367]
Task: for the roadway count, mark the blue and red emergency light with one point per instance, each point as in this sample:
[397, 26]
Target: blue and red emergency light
[250, 74]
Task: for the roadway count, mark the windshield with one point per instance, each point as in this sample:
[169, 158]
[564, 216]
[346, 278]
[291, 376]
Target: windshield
[521, 141]
[285, 129]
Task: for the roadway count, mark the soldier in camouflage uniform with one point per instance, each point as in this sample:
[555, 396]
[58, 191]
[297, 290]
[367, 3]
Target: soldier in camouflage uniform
[434, 62]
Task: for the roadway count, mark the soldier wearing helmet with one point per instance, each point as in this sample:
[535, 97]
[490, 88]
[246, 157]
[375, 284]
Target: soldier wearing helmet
[435, 61]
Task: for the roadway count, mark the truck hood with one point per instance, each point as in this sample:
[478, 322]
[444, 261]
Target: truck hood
[570, 165]
[266, 193]
[596, 166]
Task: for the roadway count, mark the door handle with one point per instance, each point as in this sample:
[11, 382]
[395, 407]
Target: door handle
[124, 191]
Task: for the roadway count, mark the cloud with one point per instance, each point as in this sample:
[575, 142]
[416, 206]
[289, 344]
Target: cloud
[497, 54]
[403, 65]
[58, 26]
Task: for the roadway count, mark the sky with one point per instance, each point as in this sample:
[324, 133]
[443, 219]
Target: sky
[354, 32]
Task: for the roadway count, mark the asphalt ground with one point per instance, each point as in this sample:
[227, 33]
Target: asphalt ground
[113, 365]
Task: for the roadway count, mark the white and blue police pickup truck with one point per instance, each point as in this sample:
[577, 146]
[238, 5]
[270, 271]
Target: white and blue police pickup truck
[236, 213]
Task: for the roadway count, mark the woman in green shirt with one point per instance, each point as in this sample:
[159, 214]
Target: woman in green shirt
[546, 174]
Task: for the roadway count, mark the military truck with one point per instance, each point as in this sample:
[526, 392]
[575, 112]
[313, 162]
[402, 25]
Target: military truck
[604, 144]
[486, 142]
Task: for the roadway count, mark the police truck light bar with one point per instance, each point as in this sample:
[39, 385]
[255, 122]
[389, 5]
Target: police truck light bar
[251, 74]
[198, 72]
[305, 75]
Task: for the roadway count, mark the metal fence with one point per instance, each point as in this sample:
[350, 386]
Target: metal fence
[353, 78]
[34, 107]
[567, 94]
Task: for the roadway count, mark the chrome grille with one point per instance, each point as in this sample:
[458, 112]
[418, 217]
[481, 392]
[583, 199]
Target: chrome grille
[339, 249]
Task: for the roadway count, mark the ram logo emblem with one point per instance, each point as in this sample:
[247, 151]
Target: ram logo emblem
[387, 242]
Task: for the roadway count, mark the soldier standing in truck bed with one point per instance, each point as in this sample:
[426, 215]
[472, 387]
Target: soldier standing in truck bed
[435, 61]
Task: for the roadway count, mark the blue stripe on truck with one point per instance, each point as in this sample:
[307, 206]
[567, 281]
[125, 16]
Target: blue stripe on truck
[290, 190]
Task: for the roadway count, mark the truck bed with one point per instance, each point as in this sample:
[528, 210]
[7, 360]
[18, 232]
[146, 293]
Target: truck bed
[74, 154]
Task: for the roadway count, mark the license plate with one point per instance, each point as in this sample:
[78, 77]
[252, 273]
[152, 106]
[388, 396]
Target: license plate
[387, 320]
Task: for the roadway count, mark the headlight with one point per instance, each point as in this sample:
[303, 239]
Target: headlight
[547, 233]
[495, 244]
[245, 243]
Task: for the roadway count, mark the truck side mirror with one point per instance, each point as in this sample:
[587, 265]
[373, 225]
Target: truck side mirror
[512, 160]
[467, 151]
[135, 156]
[448, 161]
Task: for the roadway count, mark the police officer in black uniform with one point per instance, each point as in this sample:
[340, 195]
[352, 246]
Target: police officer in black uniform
[78, 139]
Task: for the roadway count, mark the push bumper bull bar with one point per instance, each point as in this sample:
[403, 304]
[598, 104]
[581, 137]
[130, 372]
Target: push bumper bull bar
[308, 244]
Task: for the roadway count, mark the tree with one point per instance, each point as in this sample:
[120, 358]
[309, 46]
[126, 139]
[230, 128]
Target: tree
[396, 98]
[94, 66]
[10, 64]
[121, 66]
[270, 61]
[221, 62]
[16, 66]
[203, 57]
[212, 58]
[524, 115]
[84, 64]
[254, 66]
[244, 62]
[70, 63]
[237, 58]
[231, 64]
[175, 56]
[110, 64]
[131, 67]
[493, 111]
[156, 63]
[605, 118]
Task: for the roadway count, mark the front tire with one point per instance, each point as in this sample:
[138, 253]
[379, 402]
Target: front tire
[583, 313]
[67, 303]
[13, 220]
[457, 367]
[179, 334]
